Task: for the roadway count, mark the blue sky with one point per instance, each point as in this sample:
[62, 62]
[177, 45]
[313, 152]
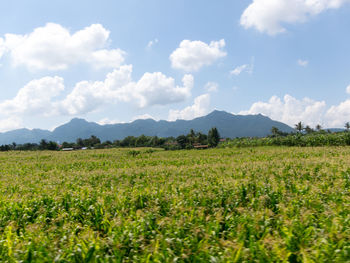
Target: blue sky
[115, 61]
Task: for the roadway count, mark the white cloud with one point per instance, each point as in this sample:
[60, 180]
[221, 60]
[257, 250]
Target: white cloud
[106, 121]
[9, 124]
[34, 98]
[2, 47]
[152, 43]
[238, 70]
[143, 117]
[151, 89]
[89, 96]
[212, 87]
[107, 58]
[270, 16]
[40, 97]
[290, 110]
[158, 89]
[249, 68]
[348, 89]
[193, 55]
[199, 108]
[303, 63]
[53, 47]
[338, 115]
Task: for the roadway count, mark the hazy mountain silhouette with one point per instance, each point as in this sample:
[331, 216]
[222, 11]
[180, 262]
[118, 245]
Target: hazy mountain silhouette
[229, 126]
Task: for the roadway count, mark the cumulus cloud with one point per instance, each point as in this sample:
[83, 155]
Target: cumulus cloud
[339, 114]
[35, 97]
[88, 96]
[106, 121]
[41, 97]
[290, 110]
[9, 124]
[158, 89]
[270, 16]
[143, 117]
[199, 108]
[348, 89]
[2, 47]
[151, 89]
[303, 63]
[106, 58]
[193, 55]
[53, 47]
[212, 87]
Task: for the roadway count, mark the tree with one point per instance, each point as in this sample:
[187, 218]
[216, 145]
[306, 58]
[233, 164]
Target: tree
[43, 144]
[275, 131]
[213, 137]
[308, 129]
[202, 138]
[93, 140]
[318, 127]
[155, 141]
[347, 126]
[128, 141]
[4, 148]
[52, 146]
[299, 126]
[80, 142]
[182, 141]
[67, 145]
[141, 141]
[191, 137]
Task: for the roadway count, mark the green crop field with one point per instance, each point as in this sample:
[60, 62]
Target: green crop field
[264, 204]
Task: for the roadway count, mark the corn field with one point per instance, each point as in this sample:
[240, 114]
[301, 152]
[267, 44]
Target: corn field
[265, 204]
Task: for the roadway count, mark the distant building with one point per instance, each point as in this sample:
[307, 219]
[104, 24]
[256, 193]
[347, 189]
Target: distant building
[199, 146]
[67, 149]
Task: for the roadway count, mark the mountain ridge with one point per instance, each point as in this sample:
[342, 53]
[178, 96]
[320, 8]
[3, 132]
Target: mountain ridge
[229, 126]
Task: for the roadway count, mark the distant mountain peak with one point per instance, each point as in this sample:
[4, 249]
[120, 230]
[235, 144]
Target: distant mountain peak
[149, 120]
[229, 126]
[218, 112]
[78, 120]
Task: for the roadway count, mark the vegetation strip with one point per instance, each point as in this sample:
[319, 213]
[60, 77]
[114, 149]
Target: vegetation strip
[145, 205]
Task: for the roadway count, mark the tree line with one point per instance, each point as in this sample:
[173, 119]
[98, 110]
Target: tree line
[303, 136]
[189, 141]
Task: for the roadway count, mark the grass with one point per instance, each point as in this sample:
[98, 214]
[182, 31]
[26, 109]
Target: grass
[135, 205]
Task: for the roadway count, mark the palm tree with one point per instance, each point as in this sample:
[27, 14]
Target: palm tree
[318, 127]
[275, 131]
[191, 136]
[347, 126]
[213, 137]
[299, 126]
[308, 129]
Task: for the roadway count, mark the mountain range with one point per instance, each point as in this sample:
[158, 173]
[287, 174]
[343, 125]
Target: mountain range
[228, 125]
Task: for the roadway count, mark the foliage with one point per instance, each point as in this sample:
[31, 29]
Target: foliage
[45, 145]
[213, 137]
[266, 204]
[310, 139]
[90, 142]
[299, 126]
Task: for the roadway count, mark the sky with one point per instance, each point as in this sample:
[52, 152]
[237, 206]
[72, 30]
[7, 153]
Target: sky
[116, 61]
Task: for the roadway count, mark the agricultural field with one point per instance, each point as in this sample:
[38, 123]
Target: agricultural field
[263, 204]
